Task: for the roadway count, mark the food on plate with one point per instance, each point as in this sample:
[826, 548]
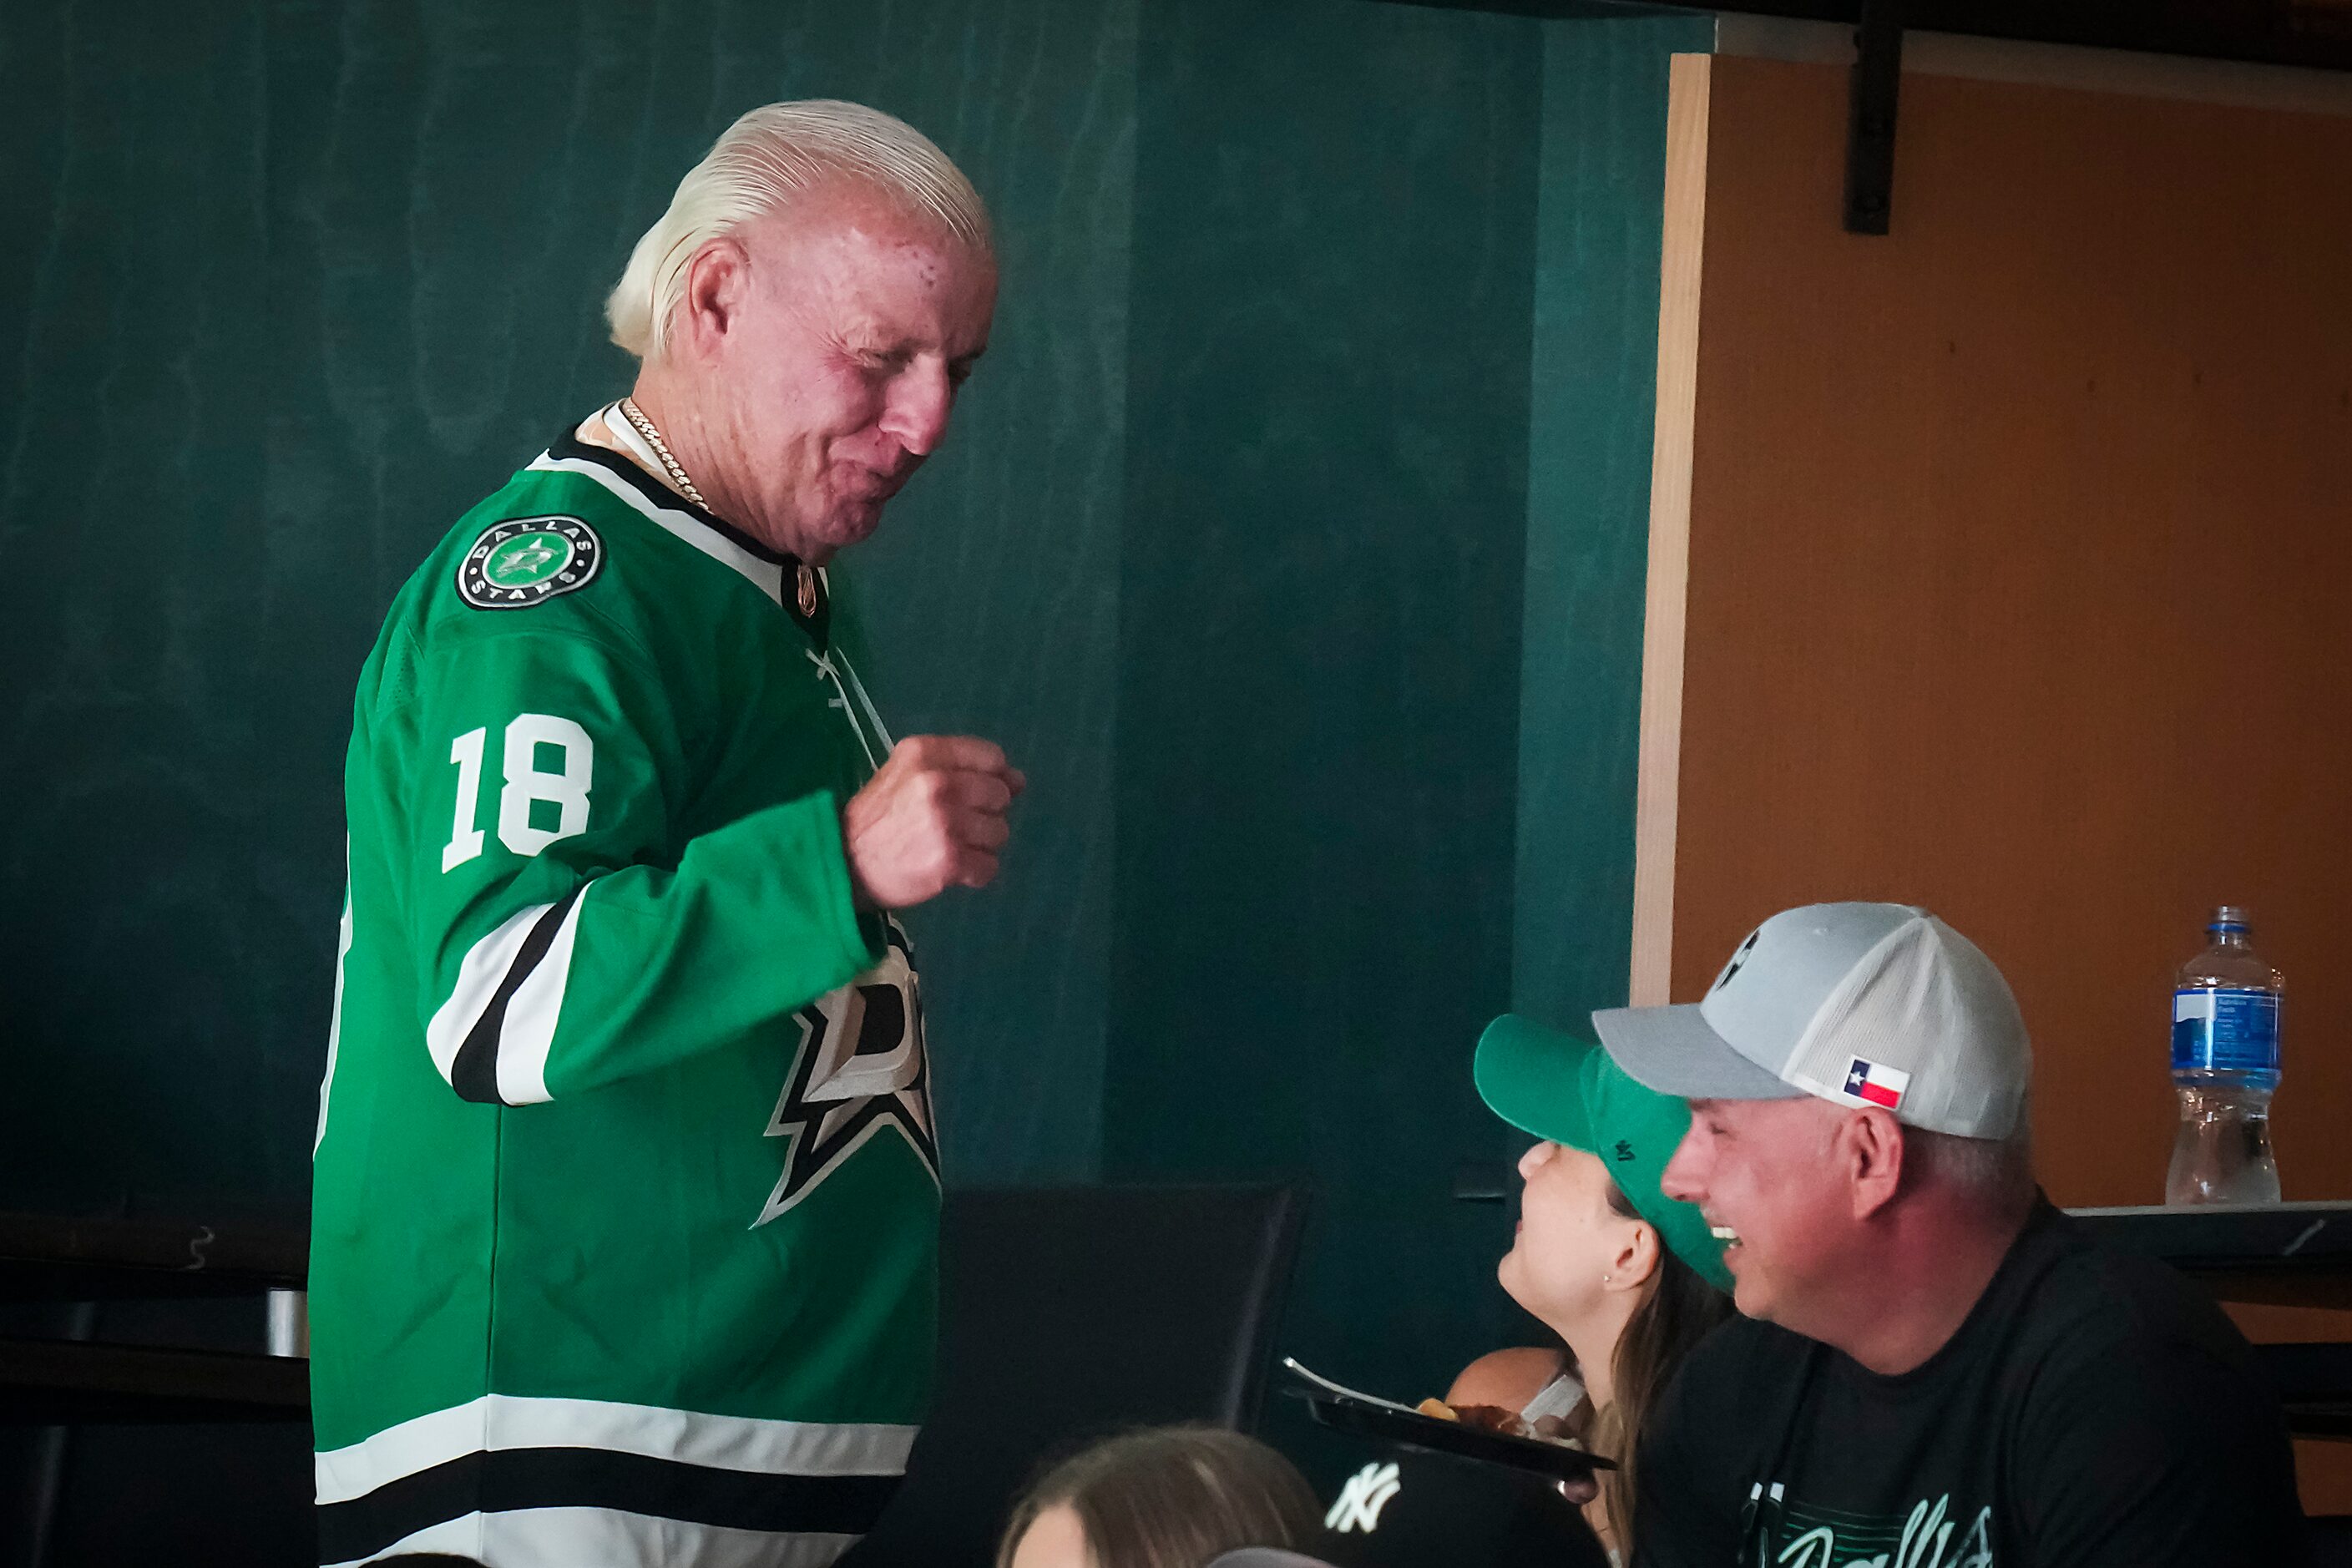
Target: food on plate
[1495, 1418]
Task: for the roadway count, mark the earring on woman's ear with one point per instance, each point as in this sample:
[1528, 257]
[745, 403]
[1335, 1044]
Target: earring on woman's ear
[1608, 1279]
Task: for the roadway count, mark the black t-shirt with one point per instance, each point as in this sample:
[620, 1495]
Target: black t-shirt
[2092, 1412]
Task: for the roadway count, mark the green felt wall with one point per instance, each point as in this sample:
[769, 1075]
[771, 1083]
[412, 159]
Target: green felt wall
[283, 288]
[166, 857]
[1319, 635]
[1292, 539]
[1393, 336]
[1592, 392]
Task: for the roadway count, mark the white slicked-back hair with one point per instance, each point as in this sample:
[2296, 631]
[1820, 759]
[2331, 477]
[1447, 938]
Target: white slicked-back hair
[761, 164]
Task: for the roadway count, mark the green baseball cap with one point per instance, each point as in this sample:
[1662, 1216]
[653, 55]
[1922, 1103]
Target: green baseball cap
[1567, 1091]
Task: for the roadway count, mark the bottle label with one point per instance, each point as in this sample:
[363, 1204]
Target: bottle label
[2225, 1028]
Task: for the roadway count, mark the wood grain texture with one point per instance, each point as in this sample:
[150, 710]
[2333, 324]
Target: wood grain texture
[2021, 571]
[1658, 795]
[2177, 77]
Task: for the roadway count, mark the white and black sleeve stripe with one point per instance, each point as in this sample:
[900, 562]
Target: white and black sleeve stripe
[490, 1039]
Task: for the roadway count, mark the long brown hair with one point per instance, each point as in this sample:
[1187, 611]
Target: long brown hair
[1174, 1497]
[1678, 1309]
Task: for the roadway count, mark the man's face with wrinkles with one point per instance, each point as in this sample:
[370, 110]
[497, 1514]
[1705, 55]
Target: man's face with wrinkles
[862, 321]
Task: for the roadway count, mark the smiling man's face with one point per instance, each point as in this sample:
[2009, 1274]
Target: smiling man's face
[1763, 1172]
[842, 371]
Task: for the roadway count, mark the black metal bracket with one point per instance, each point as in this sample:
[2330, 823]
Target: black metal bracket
[1870, 117]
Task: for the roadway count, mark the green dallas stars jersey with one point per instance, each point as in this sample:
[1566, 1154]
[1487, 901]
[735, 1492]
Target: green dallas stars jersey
[624, 1231]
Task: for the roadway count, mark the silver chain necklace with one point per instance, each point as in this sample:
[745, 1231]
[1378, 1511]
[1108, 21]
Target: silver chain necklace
[804, 587]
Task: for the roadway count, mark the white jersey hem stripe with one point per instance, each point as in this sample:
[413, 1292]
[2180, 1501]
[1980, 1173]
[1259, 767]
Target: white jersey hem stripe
[495, 1421]
[609, 1538]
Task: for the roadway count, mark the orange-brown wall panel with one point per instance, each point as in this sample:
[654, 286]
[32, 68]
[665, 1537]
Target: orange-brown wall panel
[2021, 567]
[2020, 574]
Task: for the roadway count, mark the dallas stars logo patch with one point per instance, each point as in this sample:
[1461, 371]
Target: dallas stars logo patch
[527, 560]
[859, 1072]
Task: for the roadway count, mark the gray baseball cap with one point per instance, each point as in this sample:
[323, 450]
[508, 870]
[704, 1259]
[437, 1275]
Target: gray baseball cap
[1857, 1004]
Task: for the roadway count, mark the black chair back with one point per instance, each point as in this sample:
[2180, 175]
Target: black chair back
[1069, 1313]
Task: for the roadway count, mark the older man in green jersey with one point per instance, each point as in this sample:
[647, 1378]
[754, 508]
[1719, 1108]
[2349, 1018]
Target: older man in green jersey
[624, 1235]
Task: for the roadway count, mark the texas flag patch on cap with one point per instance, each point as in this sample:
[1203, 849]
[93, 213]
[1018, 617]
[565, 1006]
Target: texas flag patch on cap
[1876, 1085]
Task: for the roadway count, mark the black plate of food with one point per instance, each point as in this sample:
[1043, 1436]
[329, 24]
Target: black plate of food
[1345, 1410]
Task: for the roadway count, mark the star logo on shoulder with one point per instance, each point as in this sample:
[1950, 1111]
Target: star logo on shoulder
[858, 1073]
[526, 561]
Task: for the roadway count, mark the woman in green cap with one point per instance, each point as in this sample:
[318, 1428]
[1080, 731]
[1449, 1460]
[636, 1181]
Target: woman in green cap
[1629, 1278]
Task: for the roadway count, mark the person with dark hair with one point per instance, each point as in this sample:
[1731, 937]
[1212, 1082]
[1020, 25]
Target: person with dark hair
[1167, 1497]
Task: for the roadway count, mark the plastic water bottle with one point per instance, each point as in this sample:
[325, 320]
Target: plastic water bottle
[2225, 1063]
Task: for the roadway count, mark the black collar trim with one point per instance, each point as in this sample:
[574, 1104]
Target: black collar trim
[570, 448]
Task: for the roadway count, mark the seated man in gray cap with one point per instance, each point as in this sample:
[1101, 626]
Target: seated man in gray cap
[1933, 1368]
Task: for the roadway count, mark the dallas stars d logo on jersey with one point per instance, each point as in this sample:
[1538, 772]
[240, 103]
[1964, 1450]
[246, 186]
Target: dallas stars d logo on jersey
[525, 560]
[859, 1071]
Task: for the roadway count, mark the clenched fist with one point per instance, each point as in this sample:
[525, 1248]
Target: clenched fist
[932, 819]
